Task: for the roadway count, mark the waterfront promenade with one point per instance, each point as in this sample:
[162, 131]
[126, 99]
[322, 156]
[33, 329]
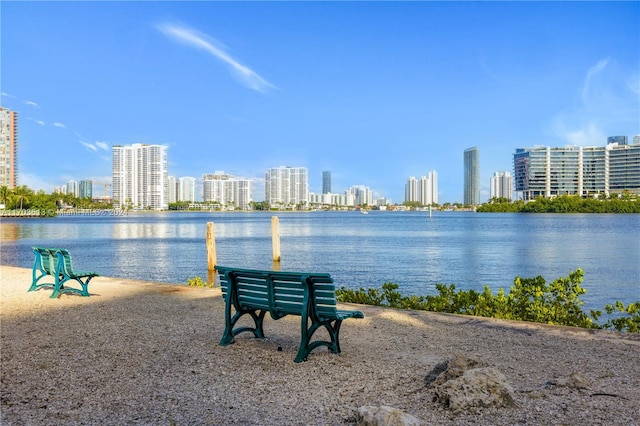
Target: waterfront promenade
[138, 352]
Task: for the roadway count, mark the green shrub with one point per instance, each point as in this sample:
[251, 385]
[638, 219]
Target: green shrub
[529, 299]
[198, 282]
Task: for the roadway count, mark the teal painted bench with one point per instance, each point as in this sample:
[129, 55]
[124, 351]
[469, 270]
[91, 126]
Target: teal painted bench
[55, 263]
[312, 296]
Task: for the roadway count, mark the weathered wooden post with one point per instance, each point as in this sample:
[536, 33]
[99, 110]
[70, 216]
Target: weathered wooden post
[211, 246]
[275, 241]
[211, 253]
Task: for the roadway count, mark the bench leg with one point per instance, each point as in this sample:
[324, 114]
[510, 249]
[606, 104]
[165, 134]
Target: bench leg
[306, 346]
[230, 333]
[59, 287]
[34, 281]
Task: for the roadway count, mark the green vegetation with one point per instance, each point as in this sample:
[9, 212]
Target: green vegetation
[623, 203]
[199, 282]
[24, 198]
[529, 299]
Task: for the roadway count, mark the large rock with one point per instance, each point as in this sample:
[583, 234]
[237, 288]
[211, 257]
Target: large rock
[467, 382]
[453, 368]
[479, 387]
[385, 416]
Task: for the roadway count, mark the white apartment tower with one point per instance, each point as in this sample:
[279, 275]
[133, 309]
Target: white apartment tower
[362, 195]
[186, 188]
[140, 176]
[227, 190]
[501, 185]
[286, 186]
[423, 191]
[172, 194]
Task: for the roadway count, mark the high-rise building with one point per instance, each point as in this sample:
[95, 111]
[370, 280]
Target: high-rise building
[471, 176]
[140, 176]
[501, 185]
[621, 140]
[85, 189]
[326, 182]
[71, 187]
[548, 172]
[423, 191]
[286, 187]
[172, 193]
[8, 148]
[227, 190]
[362, 195]
[186, 188]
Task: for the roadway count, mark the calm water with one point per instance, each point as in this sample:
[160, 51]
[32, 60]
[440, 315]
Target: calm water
[409, 248]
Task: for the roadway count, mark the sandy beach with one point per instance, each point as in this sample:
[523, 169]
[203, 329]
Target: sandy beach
[143, 353]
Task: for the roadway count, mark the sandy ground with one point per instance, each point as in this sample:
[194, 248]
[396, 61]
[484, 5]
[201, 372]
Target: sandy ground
[138, 353]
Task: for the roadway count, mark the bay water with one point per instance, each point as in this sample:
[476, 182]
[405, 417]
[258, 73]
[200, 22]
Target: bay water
[416, 250]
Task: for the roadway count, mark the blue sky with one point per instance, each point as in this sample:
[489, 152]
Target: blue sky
[374, 92]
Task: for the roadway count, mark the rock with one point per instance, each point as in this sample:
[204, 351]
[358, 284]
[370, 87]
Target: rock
[478, 387]
[385, 416]
[453, 368]
[574, 381]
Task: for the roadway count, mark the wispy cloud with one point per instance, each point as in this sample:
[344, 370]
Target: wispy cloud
[201, 41]
[40, 122]
[102, 145]
[59, 125]
[89, 146]
[608, 106]
[596, 69]
[32, 104]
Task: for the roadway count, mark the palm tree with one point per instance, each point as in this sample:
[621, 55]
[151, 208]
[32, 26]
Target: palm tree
[4, 194]
[22, 195]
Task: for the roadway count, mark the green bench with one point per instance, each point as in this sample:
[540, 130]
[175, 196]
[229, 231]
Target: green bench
[310, 295]
[55, 263]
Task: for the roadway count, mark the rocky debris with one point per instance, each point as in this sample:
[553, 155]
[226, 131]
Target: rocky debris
[385, 416]
[466, 382]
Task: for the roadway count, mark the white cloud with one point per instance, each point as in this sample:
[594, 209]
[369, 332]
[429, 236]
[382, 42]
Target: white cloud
[102, 145]
[32, 104]
[89, 146]
[35, 182]
[40, 122]
[589, 135]
[59, 125]
[198, 40]
[593, 71]
[608, 105]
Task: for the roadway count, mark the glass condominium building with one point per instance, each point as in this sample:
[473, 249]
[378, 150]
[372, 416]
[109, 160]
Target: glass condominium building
[576, 170]
[471, 176]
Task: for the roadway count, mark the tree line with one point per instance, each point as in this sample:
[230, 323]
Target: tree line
[24, 198]
[614, 203]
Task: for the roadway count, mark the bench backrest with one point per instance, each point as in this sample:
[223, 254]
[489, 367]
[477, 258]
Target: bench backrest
[48, 259]
[66, 256]
[280, 293]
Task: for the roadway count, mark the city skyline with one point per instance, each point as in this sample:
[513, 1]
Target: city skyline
[375, 92]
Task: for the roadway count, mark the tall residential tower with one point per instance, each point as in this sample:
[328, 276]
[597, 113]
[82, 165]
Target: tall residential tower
[8, 148]
[471, 176]
[286, 186]
[140, 176]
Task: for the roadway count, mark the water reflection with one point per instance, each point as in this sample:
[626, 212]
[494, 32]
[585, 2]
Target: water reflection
[412, 250]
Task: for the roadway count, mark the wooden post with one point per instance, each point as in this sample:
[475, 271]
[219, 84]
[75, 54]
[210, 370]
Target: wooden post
[211, 246]
[275, 240]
